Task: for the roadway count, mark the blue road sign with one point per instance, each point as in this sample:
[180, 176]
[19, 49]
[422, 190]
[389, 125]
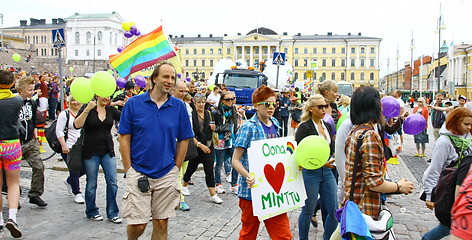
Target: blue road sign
[279, 58]
[58, 37]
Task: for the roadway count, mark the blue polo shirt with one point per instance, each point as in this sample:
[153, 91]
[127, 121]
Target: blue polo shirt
[154, 133]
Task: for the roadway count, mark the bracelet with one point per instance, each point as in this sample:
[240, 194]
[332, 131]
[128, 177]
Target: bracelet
[198, 144]
[399, 188]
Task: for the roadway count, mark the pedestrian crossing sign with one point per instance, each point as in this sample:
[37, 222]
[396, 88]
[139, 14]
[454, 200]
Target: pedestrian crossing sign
[279, 58]
[58, 37]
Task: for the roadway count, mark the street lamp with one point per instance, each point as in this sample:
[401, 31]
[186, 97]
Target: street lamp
[412, 47]
[398, 57]
[439, 27]
[1, 30]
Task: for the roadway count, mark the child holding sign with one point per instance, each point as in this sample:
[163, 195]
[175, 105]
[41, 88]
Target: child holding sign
[261, 126]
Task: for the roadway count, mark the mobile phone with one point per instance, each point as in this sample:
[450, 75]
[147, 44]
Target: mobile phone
[143, 184]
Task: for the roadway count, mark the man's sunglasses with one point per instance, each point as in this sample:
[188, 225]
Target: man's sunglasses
[229, 99]
[267, 104]
[320, 107]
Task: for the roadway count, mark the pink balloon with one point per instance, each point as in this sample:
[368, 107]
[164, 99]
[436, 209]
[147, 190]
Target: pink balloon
[128, 34]
[121, 82]
[140, 81]
[120, 48]
[414, 124]
[329, 120]
[390, 107]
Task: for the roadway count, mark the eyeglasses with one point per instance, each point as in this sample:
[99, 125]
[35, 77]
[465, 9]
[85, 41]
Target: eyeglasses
[229, 99]
[320, 107]
[267, 104]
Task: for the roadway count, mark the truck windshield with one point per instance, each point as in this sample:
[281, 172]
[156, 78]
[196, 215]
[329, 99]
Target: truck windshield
[345, 89]
[240, 81]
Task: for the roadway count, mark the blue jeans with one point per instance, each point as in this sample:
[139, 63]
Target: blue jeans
[108, 164]
[320, 181]
[52, 108]
[224, 157]
[437, 233]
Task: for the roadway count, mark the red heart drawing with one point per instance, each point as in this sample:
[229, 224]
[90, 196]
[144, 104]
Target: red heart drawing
[276, 176]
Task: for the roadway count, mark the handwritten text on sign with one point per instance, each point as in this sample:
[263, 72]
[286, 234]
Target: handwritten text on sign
[279, 186]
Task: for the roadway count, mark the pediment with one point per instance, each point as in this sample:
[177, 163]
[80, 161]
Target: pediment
[257, 37]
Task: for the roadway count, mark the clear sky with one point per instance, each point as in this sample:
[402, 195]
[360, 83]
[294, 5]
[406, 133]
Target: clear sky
[391, 20]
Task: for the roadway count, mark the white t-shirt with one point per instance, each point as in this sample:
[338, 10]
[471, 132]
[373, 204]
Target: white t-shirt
[214, 98]
[72, 133]
[400, 101]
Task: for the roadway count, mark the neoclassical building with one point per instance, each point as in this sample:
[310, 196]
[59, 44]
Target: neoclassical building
[352, 57]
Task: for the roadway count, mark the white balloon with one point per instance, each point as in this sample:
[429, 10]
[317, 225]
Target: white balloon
[285, 74]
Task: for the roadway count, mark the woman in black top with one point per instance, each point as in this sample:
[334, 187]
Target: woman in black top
[97, 120]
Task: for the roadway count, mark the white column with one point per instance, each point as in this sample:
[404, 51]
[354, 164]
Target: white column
[235, 53]
[260, 54]
[242, 53]
[251, 59]
[268, 52]
[460, 67]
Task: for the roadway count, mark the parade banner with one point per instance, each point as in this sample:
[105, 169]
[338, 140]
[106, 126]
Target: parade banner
[279, 186]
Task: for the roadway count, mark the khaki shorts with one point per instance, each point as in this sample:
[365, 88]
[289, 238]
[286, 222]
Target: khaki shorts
[160, 201]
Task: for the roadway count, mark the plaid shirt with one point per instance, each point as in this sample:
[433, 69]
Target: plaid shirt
[370, 170]
[250, 131]
[53, 90]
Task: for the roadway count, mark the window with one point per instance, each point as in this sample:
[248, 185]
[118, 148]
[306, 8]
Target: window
[352, 76]
[314, 75]
[342, 76]
[194, 51]
[203, 51]
[343, 62]
[256, 50]
[333, 76]
[285, 50]
[99, 52]
[219, 51]
[211, 62]
[194, 63]
[248, 50]
[186, 51]
[353, 50]
[305, 62]
[203, 62]
[296, 50]
[343, 50]
[89, 38]
[362, 76]
[333, 50]
[296, 76]
[304, 75]
[87, 53]
[371, 77]
[324, 50]
[52, 51]
[228, 51]
[265, 50]
[323, 77]
[323, 63]
[76, 53]
[296, 62]
[362, 62]
[240, 51]
[353, 62]
[372, 62]
[362, 50]
[186, 63]
[333, 62]
[315, 50]
[77, 38]
[211, 50]
[305, 50]
[372, 49]
[99, 36]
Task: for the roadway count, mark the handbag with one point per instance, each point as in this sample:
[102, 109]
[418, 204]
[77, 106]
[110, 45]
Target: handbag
[74, 157]
[191, 151]
[378, 229]
[223, 128]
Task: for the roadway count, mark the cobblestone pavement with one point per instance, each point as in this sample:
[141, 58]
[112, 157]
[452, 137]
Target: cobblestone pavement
[64, 219]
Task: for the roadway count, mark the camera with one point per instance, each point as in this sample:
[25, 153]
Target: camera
[143, 184]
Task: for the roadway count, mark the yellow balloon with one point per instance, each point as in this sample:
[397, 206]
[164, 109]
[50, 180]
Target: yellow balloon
[81, 90]
[132, 24]
[312, 152]
[103, 84]
[16, 57]
[126, 26]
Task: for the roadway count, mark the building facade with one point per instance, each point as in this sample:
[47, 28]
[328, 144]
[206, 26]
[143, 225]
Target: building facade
[352, 58]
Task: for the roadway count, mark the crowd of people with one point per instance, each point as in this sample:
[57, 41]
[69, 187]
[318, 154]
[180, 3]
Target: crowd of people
[201, 125]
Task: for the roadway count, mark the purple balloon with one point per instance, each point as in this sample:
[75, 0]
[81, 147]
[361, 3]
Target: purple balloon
[128, 34]
[414, 124]
[188, 79]
[329, 120]
[390, 107]
[140, 81]
[120, 48]
[133, 29]
[121, 82]
[179, 75]
[137, 32]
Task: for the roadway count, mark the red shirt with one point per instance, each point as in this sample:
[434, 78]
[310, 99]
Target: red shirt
[44, 89]
[461, 213]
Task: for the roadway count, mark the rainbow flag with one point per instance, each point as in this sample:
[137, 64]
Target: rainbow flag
[143, 52]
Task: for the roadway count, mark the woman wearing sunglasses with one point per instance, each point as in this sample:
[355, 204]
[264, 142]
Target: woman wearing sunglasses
[320, 181]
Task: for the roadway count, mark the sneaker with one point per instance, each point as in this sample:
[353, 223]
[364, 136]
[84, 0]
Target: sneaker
[234, 189]
[38, 201]
[96, 218]
[416, 155]
[13, 228]
[185, 191]
[228, 177]
[219, 189]
[68, 186]
[116, 220]
[79, 198]
[216, 199]
[1, 228]
[421, 155]
[184, 206]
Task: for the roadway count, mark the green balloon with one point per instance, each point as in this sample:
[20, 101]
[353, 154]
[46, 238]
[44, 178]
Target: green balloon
[110, 71]
[80, 90]
[16, 57]
[103, 84]
[341, 120]
[71, 69]
[312, 152]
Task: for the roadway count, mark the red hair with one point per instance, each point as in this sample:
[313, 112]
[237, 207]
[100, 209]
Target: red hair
[455, 117]
[261, 93]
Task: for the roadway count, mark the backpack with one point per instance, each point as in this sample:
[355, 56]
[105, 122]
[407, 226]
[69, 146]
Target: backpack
[445, 190]
[51, 136]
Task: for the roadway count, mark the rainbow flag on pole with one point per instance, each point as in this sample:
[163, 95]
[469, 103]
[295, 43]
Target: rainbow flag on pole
[143, 52]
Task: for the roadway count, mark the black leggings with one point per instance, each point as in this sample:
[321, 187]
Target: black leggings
[207, 160]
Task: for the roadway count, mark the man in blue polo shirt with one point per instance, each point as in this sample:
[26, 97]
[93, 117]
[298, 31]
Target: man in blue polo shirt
[154, 133]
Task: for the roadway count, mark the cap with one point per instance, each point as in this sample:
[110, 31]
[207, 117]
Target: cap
[462, 97]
